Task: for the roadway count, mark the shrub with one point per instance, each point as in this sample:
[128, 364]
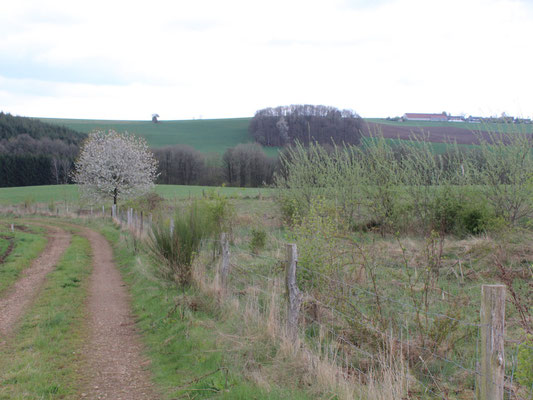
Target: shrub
[258, 240]
[174, 252]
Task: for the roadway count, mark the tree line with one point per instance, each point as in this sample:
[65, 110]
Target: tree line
[284, 125]
[36, 153]
[245, 165]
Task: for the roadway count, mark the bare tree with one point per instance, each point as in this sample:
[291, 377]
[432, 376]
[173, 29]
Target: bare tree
[113, 165]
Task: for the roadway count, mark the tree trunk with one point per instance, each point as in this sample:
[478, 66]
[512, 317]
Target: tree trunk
[115, 195]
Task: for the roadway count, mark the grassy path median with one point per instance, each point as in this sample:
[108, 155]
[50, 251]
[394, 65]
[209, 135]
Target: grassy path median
[42, 358]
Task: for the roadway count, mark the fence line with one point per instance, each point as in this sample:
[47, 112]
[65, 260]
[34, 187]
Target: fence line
[140, 225]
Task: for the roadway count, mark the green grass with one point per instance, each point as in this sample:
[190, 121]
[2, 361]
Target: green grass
[69, 193]
[42, 361]
[180, 331]
[207, 136]
[463, 125]
[26, 247]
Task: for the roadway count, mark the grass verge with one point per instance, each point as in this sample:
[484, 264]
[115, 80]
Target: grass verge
[26, 246]
[183, 332]
[42, 360]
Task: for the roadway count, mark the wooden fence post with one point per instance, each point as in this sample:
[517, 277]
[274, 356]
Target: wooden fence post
[171, 226]
[224, 266]
[492, 342]
[142, 224]
[113, 211]
[12, 227]
[294, 294]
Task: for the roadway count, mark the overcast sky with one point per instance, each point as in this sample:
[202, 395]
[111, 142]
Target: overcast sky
[219, 59]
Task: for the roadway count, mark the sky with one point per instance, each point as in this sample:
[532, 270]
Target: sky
[224, 59]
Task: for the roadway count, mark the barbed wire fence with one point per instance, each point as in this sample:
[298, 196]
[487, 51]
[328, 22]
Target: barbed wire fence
[440, 373]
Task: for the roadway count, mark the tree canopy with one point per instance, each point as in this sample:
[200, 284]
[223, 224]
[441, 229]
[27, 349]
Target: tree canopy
[283, 125]
[114, 165]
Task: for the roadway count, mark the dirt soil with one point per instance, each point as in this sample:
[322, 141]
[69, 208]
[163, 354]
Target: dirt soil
[437, 134]
[27, 287]
[117, 369]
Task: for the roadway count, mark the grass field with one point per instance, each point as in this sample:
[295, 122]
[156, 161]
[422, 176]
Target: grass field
[69, 193]
[462, 125]
[207, 136]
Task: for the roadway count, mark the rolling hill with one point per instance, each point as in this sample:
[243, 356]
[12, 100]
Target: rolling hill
[206, 135]
[217, 135]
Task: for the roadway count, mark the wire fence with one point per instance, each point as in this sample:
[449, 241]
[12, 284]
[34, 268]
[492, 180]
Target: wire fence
[349, 309]
[440, 372]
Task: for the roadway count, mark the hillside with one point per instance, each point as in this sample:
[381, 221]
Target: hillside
[217, 135]
[13, 126]
[207, 136]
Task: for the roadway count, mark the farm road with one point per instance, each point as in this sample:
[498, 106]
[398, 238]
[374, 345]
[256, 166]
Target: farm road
[25, 290]
[116, 368]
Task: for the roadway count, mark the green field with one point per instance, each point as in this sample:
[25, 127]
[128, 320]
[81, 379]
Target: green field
[205, 135]
[463, 125]
[217, 135]
[69, 193]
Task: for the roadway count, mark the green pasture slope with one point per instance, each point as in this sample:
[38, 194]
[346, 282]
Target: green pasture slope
[526, 128]
[205, 135]
[69, 193]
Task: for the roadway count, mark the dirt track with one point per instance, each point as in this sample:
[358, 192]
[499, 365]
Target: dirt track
[116, 367]
[25, 290]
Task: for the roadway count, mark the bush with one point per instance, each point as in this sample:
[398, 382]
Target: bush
[174, 252]
[258, 240]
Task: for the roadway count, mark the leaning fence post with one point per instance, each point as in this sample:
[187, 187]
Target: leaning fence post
[224, 267]
[294, 294]
[492, 342]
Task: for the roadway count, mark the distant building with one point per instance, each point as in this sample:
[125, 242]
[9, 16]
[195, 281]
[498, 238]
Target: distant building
[474, 120]
[456, 118]
[425, 117]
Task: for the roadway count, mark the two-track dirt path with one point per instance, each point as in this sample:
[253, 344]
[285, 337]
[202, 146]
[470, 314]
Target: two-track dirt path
[27, 287]
[116, 368]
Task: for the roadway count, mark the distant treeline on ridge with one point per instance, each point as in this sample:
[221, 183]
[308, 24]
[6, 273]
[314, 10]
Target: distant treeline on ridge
[285, 125]
[35, 153]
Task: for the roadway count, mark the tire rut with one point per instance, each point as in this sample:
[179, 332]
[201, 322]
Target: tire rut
[113, 352]
[23, 292]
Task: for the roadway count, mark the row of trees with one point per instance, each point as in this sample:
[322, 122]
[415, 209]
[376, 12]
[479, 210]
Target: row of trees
[284, 125]
[245, 165]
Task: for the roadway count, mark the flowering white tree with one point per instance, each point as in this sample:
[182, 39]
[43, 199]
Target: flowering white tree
[114, 165]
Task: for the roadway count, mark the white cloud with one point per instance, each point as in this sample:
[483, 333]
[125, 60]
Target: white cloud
[118, 59]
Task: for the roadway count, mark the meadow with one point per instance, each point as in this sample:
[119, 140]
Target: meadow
[207, 136]
[68, 194]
